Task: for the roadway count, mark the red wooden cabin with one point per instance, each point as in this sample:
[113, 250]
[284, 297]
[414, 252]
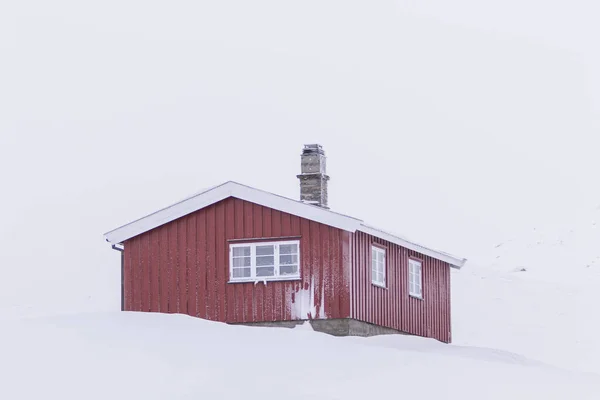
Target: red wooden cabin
[237, 254]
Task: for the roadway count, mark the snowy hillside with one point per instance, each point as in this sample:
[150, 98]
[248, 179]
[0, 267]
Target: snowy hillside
[537, 295]
[144, 356]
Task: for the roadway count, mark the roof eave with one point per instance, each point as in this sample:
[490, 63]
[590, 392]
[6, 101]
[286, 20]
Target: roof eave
[454, 262]
[271, 200]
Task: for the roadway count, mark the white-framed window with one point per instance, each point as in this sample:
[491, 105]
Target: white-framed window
[378, 266]
[249, 262]
[415, 278]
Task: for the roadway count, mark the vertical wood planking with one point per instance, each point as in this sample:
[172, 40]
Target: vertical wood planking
[172, 268]
[137, 279]
[391, 305]
[229, 233]
[305, 254]
[359, 265]
[394, 307]
[346, 279]
[315, 252]
[325, 258]
[183, 266]
[192, 283]
[268, 288]
[201, 263]
[259, 295]
[335, 271]
[248, 289]
[155, 270]
[277, 289]
[238, 299]
[128, 277]
[220, 260]
[358, 278]
[164, 268]
[286, 297]
[144, 272]
[211, 272]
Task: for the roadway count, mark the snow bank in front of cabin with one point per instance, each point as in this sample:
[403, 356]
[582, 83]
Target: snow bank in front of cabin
[155, 356]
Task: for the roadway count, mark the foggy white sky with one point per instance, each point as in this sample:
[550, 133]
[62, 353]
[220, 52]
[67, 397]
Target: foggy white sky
[455, 123]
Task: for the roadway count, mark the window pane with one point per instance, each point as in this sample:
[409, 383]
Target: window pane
[241, 251]
[265, 260]
[265, 271]
[288, 249]
[287, 259]
[241, 273]
[268, 250]
[241, 262]
[288, 270]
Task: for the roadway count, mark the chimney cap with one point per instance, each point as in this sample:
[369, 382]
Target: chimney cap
[313, 149]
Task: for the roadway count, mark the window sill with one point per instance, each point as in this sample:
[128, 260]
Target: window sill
[379, 285]
[416, 297]
[265, 280]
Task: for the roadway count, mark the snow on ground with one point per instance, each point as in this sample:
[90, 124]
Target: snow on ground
[532, 164]
[537, 295]
[158, 356]
[552, 322]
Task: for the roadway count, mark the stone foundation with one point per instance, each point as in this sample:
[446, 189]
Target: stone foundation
[335, 327]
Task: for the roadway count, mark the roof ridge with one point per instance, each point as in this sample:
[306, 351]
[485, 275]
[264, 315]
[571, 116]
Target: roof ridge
[214, 194]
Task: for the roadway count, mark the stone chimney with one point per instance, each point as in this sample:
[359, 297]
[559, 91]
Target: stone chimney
[313, 177]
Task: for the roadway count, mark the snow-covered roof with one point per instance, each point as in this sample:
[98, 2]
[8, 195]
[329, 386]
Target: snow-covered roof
[233, 189]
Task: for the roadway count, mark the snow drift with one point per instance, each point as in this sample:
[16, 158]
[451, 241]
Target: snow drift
[158, 356]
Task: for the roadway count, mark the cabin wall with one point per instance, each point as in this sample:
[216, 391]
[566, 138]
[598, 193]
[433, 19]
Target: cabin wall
[392, 306]
[183, 267]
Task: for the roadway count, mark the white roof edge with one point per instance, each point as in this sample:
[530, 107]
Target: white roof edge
[221, 192]
[233, 189]
[454, 262]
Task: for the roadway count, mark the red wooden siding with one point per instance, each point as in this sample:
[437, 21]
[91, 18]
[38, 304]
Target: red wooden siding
[392, 306]
[183, 267]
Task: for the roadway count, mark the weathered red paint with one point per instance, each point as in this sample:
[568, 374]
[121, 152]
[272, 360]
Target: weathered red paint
[392, 306]
[183, 267]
